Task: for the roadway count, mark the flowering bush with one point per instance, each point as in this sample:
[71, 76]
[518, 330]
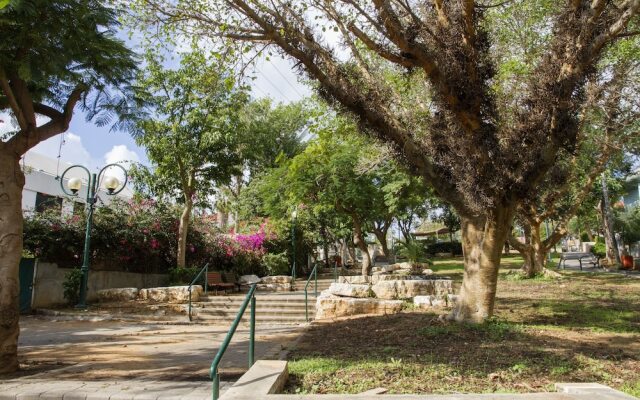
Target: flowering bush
[141, 236]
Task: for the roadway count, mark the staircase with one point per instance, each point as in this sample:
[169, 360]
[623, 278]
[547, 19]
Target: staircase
[271, 308]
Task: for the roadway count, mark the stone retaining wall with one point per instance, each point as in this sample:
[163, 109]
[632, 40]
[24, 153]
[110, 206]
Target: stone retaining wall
[48, 279]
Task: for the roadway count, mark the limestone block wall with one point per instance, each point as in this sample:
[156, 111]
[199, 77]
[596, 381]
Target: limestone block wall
[48, 279]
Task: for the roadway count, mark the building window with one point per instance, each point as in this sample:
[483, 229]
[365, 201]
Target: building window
[45, 202]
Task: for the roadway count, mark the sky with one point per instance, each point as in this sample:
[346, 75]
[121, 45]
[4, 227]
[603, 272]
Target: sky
[87, 144]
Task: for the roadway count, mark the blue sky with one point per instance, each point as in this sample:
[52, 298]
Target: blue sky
[87, 144]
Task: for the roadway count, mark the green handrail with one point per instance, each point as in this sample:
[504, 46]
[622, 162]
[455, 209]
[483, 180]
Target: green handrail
[213, 372]
[314, 273]
[206, 283]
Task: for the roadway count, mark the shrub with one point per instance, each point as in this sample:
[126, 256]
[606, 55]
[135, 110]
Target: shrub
[454, 248]
[142, 236]
[71, 286]
[276, 264]
[183, 276]
[413, 251]
[599, 249]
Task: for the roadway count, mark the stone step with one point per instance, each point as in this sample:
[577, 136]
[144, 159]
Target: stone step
[232, 313]
[259, 306]
[295, 299]
[270, 319]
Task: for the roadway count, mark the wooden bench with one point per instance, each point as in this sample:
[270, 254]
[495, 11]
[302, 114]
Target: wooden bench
[587, 258]
[214, 280]
[230, 277]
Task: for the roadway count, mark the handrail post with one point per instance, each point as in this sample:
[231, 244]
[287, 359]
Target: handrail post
[213, 371]
[206, 278]
[252, 330]
[306, 306]
[315, 277]
[335, 271]
[190, 319]
[205, 268]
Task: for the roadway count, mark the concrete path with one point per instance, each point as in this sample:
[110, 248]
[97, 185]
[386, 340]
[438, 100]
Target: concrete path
[574, 265]
[131, 354]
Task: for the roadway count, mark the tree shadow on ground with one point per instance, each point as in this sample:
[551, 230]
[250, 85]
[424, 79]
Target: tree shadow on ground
[419, 353]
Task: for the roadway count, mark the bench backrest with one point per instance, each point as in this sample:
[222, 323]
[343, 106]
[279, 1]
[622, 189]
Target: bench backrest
[214, 277]
[230, 277]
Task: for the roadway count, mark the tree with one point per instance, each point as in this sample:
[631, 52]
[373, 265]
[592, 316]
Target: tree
[270, 133]
[47, 68]
[480, 146]
[608, 127]
[190, 134]
[449, 218]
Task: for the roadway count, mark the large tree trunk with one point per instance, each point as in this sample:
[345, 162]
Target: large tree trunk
[325, 244]
[382, 238]
[182, 233]
[352, 253]
[361, 243]
[11, 184]
[535, 254]
[613, 253]
[482, 241]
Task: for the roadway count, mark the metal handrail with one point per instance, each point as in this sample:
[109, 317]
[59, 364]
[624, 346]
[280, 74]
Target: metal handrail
[213, 372]
[206, 283]
[314, 273]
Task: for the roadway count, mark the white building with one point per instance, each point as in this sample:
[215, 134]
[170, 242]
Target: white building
[42, 186]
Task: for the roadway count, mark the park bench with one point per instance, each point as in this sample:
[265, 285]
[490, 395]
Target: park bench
[587, 258]
[214, 280]
[230, 277]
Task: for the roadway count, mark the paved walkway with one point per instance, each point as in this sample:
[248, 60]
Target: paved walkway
[574, 265]
[129, 356]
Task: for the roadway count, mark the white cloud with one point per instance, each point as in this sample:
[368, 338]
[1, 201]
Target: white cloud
[72, 150]
[120, 154]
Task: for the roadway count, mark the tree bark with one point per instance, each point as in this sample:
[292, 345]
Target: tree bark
[183, 229]
[482, 241]
[11, 184]
[352, 253]
[382, 238]
[535, 254]
[613, 253]
[534, 250]
[359, 240]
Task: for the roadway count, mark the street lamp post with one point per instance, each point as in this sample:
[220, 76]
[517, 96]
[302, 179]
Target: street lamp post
[294, 215]
[74, 185]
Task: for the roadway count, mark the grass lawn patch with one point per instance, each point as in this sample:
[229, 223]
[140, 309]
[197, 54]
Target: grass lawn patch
[584, 327]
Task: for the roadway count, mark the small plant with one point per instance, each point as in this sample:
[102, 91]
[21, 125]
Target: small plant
[276, 263]
[599, 249]
[413, 250]
[71, 285]
[183, 276]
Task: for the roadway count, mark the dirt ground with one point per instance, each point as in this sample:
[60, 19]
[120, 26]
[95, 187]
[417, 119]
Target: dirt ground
[581, 328]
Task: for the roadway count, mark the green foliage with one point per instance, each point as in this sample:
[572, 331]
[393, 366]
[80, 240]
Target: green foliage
[449, 218]
[599, 249]
[454, 248]
[189, 130]
[137, 236]
[184, 276]
[628, 223]
[65, 45]
[276, 264]
[71, 286]
[413, 251]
